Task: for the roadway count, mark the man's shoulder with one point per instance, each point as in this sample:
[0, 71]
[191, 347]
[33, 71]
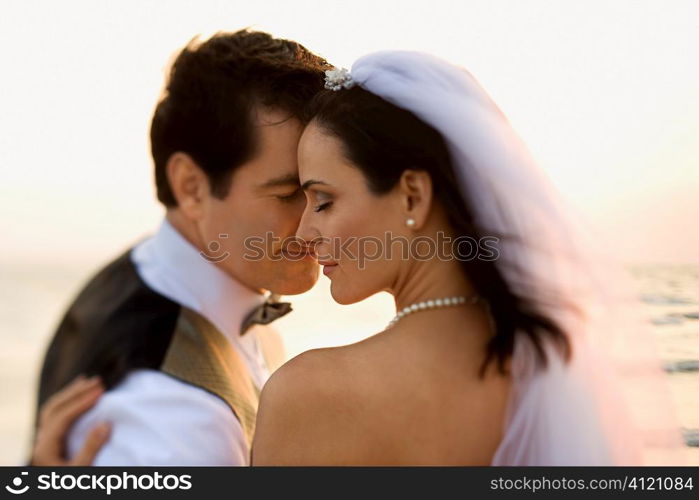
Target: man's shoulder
[112, 290]
[158, 419]
[115, 308]
[117, 282]
[117, 268]
[143, 391]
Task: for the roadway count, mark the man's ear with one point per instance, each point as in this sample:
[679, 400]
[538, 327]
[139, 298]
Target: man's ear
[416, 196]
[189, 184]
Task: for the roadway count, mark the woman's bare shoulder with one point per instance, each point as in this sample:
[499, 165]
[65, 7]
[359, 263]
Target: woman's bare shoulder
[324, 372]
[306, 408]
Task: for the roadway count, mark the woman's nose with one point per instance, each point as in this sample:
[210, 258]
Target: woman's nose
[304, 231]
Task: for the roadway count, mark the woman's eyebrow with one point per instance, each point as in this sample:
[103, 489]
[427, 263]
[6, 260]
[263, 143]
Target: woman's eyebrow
[311, 182]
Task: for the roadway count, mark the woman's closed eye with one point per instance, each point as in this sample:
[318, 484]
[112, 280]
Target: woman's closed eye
[319, 200]
[322, 206]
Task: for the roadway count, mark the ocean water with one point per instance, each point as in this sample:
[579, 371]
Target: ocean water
[33, 296]
[669, 296]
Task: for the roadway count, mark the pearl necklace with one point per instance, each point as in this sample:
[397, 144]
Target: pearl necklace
[434, 304]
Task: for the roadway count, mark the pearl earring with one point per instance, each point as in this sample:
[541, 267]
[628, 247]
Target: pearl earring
[410, 222]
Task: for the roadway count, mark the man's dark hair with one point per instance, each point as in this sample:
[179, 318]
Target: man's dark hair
[207, 110]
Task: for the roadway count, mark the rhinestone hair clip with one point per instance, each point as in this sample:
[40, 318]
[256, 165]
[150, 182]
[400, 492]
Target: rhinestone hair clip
[338, 78]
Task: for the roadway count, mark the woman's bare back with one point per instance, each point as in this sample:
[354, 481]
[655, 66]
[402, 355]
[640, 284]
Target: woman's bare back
[405, 396]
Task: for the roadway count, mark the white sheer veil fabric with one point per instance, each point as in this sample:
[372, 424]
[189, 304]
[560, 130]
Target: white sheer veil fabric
[608, 405]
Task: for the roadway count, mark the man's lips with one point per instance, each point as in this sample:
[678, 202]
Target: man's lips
[297, 253]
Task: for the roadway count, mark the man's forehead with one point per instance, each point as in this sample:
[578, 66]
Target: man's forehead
[275, 162]
[291, 179]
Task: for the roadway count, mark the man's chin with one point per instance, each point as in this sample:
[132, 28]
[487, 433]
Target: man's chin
[299, 281]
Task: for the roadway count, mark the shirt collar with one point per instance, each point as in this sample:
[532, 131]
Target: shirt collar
[212, 292]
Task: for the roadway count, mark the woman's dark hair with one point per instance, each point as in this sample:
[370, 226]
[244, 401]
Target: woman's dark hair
[212, 89]
[383, 141]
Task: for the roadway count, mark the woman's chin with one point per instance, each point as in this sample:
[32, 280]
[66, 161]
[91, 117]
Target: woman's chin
[343, 296]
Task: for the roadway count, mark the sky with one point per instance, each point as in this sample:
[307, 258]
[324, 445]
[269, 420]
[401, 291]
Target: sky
[605, 94]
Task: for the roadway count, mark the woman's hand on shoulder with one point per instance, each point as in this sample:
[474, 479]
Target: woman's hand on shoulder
[57, 416]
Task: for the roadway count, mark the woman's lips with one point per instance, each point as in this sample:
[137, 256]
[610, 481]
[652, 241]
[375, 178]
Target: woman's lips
[328, 267]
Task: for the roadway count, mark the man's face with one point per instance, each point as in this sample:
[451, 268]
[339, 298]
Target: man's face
[251, 233]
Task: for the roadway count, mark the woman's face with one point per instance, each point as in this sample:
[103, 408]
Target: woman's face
[348, 226]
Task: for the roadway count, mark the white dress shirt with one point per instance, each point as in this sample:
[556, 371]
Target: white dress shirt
[156, 419]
